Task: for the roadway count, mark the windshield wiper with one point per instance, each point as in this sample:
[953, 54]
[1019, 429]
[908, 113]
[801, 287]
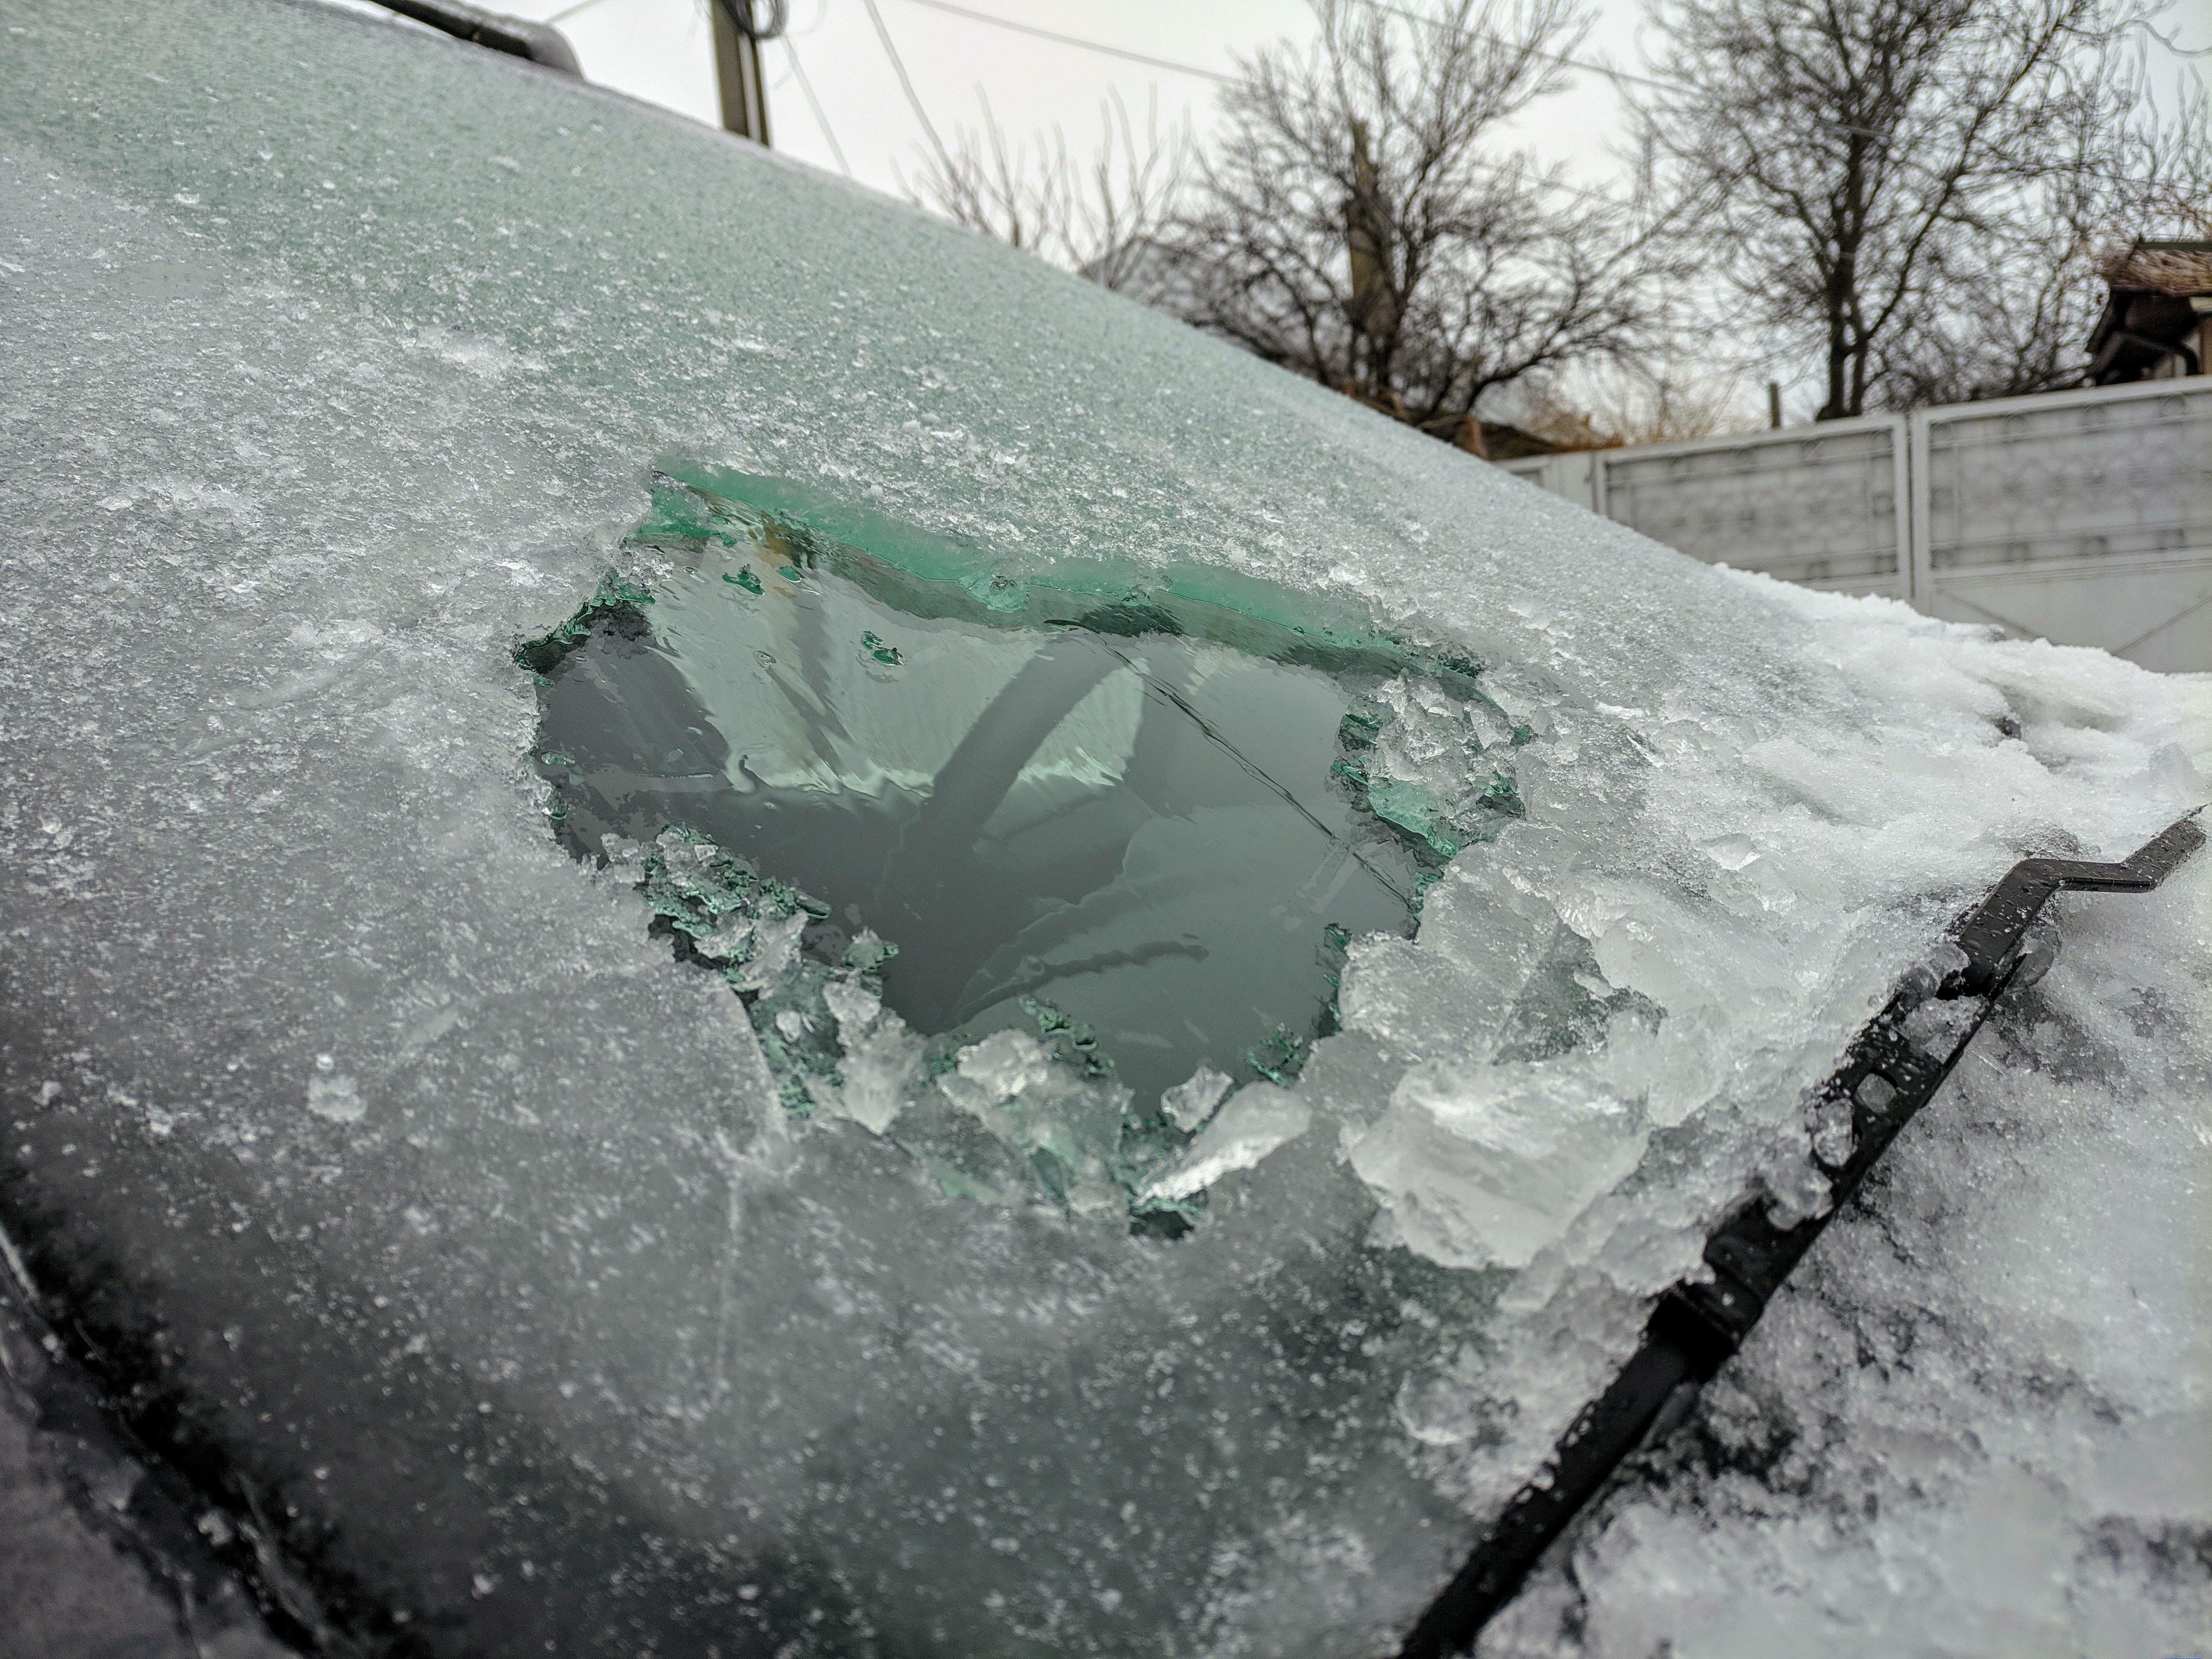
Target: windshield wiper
[1891, 1070]
[541, 43]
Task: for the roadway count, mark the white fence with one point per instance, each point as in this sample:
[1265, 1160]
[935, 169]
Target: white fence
[2084, 517]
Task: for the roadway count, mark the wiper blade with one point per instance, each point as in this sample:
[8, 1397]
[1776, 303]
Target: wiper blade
[1887, 1077]
[541, 43]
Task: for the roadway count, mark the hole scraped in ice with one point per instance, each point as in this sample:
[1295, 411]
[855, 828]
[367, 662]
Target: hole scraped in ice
[1024, 875]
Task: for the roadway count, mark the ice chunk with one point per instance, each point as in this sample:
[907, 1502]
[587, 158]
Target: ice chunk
[1833, 1140]
[856, 1007]
[1190, 1103]
[1730, 852]
[883, 1060]
[1485, 1165]
[1259, 1118]
[334, 1094]
[1066, 1128]
[998, 1069]
[1455, 989]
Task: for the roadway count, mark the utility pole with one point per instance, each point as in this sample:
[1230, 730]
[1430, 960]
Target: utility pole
[739, 27]
[1374, 301]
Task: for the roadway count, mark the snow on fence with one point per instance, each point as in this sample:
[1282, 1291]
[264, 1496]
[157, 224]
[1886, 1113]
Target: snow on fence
[2083, 517]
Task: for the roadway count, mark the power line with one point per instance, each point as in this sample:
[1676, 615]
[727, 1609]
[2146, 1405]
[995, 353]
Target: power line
[820, 120]
[905, 83]
[1141, 57]
[1072, 40]
[567, 12]
[1101, 47]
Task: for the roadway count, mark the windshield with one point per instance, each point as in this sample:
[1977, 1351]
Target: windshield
[518, 603]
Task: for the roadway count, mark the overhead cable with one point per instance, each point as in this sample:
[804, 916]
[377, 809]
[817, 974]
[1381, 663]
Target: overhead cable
[1157, 63]
[1073, 40]
[820, 120]
[906, 84]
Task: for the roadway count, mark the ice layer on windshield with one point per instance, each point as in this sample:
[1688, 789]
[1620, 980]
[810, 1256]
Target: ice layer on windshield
[467, 1248]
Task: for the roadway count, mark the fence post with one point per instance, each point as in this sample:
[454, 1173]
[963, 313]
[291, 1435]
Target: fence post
[1901, 475]
[1917, 554]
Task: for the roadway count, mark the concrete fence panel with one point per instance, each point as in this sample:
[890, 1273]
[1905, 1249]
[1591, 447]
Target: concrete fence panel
[1821, 505]
[2082, 516]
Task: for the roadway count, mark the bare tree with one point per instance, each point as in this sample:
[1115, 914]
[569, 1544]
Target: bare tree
[1099, 219]
[1908, 192]
[1362, 223]
[2014, 314]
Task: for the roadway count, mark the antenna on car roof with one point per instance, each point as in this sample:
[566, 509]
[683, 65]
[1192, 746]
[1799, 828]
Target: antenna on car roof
[1888, 1073]
[541, 43]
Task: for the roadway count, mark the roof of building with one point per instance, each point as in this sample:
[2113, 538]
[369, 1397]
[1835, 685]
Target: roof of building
[2176, 268]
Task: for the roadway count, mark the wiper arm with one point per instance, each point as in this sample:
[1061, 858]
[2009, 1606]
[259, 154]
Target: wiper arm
[1886, 1077]
[541, 43]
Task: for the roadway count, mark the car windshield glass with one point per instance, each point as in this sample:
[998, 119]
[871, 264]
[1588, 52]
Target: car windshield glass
[737, 926]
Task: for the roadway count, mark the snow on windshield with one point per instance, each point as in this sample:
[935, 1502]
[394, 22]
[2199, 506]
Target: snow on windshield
[466, 1244]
